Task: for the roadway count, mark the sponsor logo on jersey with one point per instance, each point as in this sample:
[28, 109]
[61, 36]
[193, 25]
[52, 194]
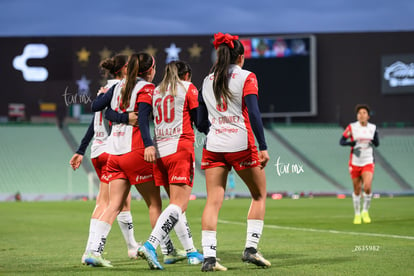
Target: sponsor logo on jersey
[143, 177]
[178, 178]
[119, 133]
[247, 163]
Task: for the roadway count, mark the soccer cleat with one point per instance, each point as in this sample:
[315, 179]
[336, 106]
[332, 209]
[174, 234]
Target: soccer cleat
[147, 252]
[195, 258]
[251, 255]
[365, 217]
[357, 219]
[175, 256]
[211, 264]
[96, 261]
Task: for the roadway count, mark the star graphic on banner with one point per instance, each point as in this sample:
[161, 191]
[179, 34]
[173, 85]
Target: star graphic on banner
[83, 85]
[105, 53]
[83, 55]
[195, 51]
[127, 51]
[172, 53]
[151, 50]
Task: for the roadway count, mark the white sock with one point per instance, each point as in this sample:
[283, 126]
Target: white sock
[127, 228]
[165, 223]
[254, 232]
[167, 246]
[367, 201]
[99, 240]
[357, 203]
[92, 226]
[182, 229]
[209, 243]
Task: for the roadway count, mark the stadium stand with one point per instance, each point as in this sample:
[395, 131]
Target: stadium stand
[35, 163]
[398, 150]
[280, 180]
[320, 144]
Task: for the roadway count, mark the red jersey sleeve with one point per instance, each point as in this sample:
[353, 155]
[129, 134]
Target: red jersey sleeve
[347, 132]
[145, 94]
[192, 96]
[250, 85]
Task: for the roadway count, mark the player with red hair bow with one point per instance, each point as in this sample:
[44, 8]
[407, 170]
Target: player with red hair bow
[231, 144]
[221, 38]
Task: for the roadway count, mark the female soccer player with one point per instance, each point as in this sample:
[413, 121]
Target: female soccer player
[229, 98]
[126, 165]
[98, 130]
[174, 107]
[363, 136]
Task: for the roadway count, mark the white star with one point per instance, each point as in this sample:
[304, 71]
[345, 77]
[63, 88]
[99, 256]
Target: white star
[172, 53]
[83, 86]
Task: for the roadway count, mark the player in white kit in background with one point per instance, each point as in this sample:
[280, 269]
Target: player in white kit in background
[229, 97]
[362, 137]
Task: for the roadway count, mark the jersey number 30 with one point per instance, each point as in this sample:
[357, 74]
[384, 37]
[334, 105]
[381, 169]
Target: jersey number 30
[165, 109]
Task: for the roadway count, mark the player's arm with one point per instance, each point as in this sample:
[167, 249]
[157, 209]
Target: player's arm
[257, 126]
[201, 118]
[345, 142]
[347, 134]
[130, 118]
[256, 120]
[103, 100]
[144, 111]
[375, 141]
[77, 158]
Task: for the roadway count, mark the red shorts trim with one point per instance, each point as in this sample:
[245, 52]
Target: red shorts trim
[356, 171]
[175, 168]
[238, 160]
[100, 165]
[131, 166]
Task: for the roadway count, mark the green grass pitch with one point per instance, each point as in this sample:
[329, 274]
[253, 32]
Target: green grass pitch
[301, 237]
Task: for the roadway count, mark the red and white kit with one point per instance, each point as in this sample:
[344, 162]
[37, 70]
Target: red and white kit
[125, 142]
[126, 138]
[230, 129]
[362, 153]
[101, 128]
[99, 146]
[174, 135]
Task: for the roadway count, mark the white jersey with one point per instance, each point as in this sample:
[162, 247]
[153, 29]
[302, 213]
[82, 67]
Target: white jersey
[126, 138]
[101, 128]
[362, 153]
[172, 119]
[230, 129]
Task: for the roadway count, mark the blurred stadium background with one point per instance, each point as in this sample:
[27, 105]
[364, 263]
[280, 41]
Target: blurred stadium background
[307, 95]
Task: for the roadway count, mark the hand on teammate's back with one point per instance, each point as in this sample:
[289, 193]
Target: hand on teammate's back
[133, 118]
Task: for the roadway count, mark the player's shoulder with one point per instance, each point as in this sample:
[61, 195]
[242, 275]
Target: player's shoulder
[355, 124]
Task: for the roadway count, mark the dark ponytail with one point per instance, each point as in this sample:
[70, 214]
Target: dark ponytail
[131, 80]
[225, 57]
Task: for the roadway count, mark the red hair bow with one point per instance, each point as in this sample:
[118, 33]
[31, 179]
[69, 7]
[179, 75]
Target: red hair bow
[221, 38]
